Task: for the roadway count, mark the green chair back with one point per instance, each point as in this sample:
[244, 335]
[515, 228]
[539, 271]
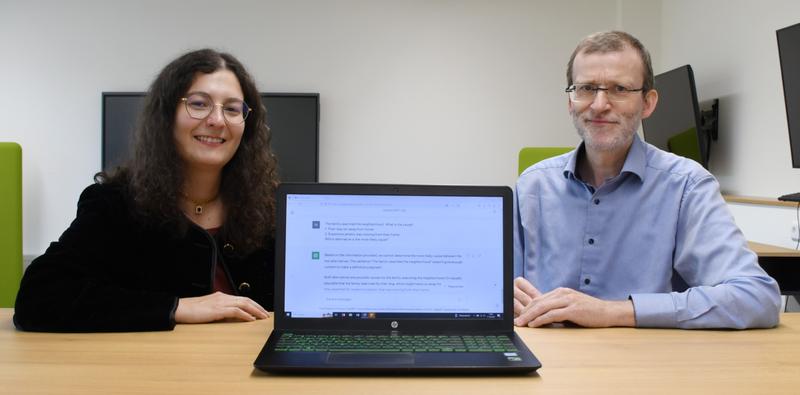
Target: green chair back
[685, 144]
[10, 222]
[529, 156]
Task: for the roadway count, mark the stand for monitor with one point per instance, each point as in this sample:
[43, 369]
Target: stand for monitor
[709, 126]
[709, 120]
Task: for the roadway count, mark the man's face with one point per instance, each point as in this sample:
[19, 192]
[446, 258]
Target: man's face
[606, 125]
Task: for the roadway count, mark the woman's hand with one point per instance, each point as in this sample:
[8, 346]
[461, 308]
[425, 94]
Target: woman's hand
[217, 307]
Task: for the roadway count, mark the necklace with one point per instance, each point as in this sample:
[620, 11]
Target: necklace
[198, 206]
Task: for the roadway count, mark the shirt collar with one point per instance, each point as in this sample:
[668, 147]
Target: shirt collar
[635, 162]
[572, 163]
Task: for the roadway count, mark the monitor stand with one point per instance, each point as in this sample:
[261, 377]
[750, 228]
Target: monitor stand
[792, 197]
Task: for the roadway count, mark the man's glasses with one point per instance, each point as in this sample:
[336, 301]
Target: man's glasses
[587, 92]
[199, 106]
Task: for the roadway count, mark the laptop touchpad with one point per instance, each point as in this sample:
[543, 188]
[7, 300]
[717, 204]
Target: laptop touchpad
[370, 358]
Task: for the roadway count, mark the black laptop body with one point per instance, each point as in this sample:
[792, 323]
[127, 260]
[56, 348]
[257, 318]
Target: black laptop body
[394, 278]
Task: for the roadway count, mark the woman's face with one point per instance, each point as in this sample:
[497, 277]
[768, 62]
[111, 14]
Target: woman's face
[209, 142]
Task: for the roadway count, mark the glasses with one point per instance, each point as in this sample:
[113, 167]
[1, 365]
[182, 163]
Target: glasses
[587, 92]
[199, 106]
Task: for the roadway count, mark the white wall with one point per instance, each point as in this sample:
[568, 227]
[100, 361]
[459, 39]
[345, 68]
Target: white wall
[411, 91]
[766, 224]
[732, 48]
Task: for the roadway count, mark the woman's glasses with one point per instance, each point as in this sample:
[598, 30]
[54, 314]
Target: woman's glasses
[199, 105]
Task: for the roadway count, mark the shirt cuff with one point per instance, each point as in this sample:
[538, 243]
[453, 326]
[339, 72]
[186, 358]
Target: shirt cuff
[654, 310]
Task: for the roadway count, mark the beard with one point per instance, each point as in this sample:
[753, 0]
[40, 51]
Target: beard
[612, 137]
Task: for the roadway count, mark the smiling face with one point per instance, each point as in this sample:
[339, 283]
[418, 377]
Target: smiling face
[604, 125]
[208, 144]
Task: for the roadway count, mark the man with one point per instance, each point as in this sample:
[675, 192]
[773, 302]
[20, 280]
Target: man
[620, 233]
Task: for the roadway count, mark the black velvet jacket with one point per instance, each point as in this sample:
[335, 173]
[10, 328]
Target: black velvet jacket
[109, 273]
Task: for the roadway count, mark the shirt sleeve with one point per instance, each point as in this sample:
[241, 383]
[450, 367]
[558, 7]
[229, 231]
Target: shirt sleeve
[519, 242]
[726, 286]
[70, 287]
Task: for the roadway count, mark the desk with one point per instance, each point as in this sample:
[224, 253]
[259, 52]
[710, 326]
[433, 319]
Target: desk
[783, 264]
[217, 358]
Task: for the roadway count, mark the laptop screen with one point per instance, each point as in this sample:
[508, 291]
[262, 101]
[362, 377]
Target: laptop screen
[393, 256]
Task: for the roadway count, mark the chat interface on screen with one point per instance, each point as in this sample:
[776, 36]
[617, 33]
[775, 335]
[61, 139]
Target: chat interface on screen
[368, 256]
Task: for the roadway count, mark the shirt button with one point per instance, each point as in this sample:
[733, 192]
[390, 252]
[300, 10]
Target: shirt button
[587, 281]
[244, 288]
[597, 201]
[227, 249]
[591, 241]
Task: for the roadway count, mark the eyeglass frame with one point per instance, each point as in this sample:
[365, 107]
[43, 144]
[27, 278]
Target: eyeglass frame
[609, 93]
[245, 114]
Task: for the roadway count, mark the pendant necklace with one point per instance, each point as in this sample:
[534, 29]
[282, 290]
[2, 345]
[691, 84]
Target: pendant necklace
[198, 206]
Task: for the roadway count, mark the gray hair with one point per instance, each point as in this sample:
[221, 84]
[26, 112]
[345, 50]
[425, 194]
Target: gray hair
[613, 41]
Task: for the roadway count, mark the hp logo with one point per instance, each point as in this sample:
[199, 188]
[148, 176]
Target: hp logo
[394, 324]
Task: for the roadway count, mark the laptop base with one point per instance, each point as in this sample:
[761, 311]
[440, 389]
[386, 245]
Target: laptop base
[313, 362]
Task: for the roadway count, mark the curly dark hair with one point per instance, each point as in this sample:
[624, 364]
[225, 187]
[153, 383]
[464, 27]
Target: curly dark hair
[154, 175]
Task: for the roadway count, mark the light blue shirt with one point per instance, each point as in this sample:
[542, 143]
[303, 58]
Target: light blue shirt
[647, 234]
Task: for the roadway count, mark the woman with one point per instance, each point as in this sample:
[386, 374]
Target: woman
[183, 232]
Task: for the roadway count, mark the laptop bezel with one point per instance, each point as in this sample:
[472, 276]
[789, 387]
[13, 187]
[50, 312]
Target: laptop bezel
[282, 322]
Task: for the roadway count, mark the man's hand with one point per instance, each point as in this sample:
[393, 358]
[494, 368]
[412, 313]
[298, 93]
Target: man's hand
[565, 304]
[217, 307]
[524, 292]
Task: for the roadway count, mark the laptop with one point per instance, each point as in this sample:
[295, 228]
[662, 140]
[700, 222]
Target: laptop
[394, 278]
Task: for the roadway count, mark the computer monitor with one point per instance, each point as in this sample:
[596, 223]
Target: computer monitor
[293, 119]
[789, 55]
[676, 125]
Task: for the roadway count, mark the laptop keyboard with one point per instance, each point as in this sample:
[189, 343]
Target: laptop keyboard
[393, 343]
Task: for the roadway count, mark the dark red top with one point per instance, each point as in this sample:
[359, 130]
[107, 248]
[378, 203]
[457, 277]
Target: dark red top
[221, 281]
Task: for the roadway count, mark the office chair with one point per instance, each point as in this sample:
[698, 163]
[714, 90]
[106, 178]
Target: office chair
[685, 144]
[10, 222]
[529, 156]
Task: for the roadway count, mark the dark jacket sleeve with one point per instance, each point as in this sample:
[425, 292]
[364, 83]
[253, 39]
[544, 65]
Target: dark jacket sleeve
[78, 285]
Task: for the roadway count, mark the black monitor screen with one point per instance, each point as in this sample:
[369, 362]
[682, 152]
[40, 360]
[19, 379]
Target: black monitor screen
[674, 126]
[293, 119]
[789, 52]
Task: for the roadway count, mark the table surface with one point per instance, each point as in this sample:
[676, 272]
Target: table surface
[769, 250]
[759, 201]
[217, 358]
